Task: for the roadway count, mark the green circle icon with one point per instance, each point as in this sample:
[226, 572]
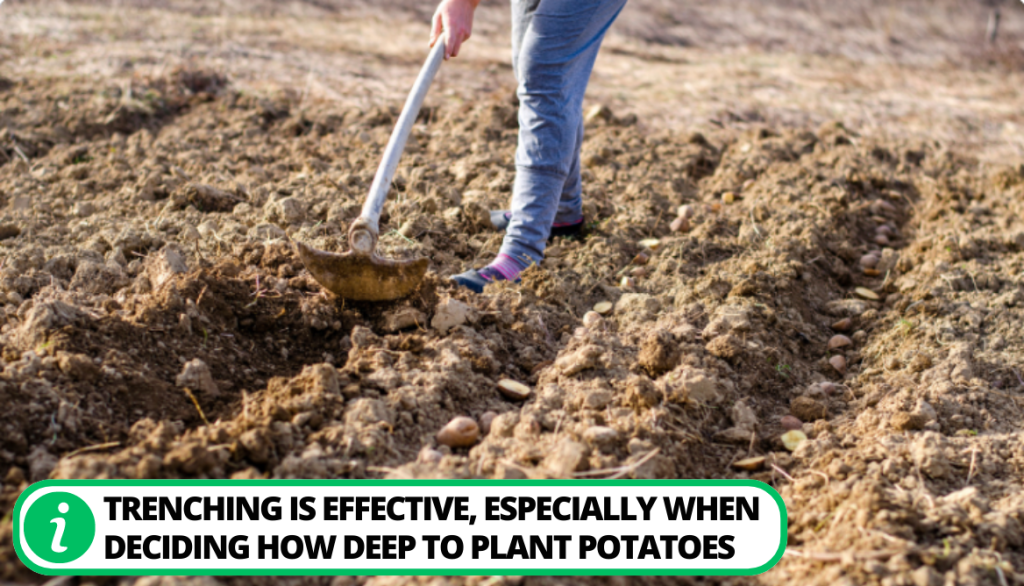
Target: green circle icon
[59, 527]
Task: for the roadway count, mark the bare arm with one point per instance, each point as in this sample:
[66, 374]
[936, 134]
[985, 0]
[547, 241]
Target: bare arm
[454, 19]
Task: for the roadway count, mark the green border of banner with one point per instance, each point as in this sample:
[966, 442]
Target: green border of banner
[783, 529]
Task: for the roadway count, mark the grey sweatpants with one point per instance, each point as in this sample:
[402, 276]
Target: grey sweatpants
[554, 45]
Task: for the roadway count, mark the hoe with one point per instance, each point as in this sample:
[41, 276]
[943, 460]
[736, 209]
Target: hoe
[360, 274]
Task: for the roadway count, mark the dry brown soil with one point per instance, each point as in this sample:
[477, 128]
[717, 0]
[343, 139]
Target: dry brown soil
[155, 157]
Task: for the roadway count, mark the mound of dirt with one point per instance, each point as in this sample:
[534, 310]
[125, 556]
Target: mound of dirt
[157, 324]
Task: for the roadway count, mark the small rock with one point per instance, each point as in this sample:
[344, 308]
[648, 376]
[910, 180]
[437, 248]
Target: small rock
[513, 390]
[869, 261]
[410, 229]
[592, 319]
[640, 305]
[866, 293]
[486, 420]
[598, 399]
[582, 359]
[924, 409]
[164, 264]
[206, 198]
[601, 436]
[696, 385]
[843, 325]
[460, 432]
[566, 458]
[926, 576]
[823, 389]
[727, 320]
[196, 376]
[404, 317]
[880, 205]
[680, 224]
[847, 307]
[749, 464]
[838, 363]
[793, 438]
[685, 211]
[807, 409]
[598, 112]
[743, 416]
[77, 366]
[603, 307]
[789, 422]
[503, 471]
[928, 452]
[450, 313]
[504, 424]
[188, 234]
[83, 209]
[286, 211]
[650, 243]
[429, 455]
[904, 421]
[267, 232]
[881, 240]
[738, 436]
[207, 229]
[838, 341]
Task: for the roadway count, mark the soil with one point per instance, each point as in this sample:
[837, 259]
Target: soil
[156, 322]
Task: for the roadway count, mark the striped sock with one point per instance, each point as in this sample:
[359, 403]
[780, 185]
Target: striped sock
[505, 266]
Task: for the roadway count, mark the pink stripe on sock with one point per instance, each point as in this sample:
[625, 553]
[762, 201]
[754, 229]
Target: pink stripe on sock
[507, 266]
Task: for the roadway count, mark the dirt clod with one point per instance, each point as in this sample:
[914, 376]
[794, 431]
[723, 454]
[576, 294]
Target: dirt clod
[659, 353]
[450, 313]
[196, 376]
[807, 409]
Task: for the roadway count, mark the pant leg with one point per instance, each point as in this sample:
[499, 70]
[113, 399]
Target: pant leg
[553, 63]
[570, 206]
[522, 15]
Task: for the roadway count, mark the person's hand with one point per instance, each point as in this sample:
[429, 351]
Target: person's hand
[453, 18]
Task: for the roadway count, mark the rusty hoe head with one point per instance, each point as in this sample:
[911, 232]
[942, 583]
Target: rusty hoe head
[359, 274]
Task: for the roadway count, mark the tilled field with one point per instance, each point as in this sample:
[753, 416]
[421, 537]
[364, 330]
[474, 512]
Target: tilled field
[156, 323]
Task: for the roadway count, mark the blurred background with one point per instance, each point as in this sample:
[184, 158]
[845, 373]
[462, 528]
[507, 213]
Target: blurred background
[948, 70]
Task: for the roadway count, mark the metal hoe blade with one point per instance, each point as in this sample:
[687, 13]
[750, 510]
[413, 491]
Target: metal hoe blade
[363, 278]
